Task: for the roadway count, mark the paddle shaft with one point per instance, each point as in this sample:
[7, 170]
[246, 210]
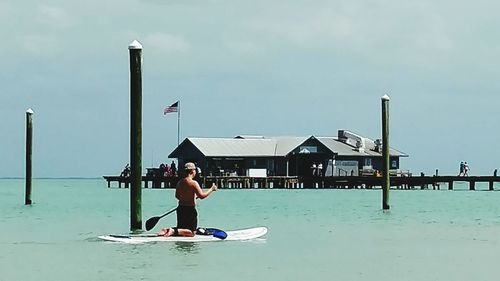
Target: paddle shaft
[169, 212]
[150, 223]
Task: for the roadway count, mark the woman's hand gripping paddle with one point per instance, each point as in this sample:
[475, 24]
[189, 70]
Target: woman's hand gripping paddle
[150, 223]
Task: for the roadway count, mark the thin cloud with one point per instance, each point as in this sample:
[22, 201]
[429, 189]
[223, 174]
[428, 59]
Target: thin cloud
[54, 16]
[40, 46]
[5, 9]
[163, 42]
[409, 34]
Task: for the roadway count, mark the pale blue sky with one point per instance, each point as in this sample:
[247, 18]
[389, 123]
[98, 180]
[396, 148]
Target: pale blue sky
[248, 67]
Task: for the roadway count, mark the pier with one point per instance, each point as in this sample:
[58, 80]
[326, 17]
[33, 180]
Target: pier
[156, 182]
[340, 182]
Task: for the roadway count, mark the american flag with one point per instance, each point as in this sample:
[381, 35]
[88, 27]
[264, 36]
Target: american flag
[173, 108]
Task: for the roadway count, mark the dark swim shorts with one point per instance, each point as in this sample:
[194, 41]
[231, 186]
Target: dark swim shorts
[187, 217]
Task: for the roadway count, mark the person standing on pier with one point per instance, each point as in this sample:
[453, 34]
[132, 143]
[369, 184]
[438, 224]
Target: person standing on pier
[461, 169]
[186, 192]
[466, 169]
[173, 169]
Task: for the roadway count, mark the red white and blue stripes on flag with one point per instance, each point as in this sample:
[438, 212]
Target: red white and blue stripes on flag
[173, 108]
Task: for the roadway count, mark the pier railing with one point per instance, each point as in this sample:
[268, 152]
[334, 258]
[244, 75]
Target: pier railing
[368, 182]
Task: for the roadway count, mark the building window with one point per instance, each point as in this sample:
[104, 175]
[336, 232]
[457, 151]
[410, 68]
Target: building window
[394, 164]
[368, 162]
[308, 149]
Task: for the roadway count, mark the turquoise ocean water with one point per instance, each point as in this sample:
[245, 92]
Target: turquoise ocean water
[313, 235]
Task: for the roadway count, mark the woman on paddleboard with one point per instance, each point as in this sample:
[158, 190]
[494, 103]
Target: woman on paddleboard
[186, 191]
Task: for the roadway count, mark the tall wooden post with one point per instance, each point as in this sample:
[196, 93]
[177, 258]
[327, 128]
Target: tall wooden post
[29, 152]
[386, 181]
[135, 51]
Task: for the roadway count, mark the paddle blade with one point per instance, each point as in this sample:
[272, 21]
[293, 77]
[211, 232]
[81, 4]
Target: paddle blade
[150, 224]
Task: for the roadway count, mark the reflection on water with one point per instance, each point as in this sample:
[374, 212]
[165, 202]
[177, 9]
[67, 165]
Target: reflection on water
[131, 249]
[187, 247]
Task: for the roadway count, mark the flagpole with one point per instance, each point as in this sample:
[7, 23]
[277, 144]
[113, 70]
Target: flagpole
[178, 121]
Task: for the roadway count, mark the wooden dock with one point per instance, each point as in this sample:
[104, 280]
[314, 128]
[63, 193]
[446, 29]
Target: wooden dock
[156, 182]
[359, 182]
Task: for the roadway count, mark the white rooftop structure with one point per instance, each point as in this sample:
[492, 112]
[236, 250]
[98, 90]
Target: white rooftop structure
[259, 146]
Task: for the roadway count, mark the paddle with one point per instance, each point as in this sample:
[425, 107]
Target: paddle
[150, 223]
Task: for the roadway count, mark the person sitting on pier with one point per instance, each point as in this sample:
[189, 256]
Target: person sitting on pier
[186, 192]
[161, 170]
[164, 169]
[126, 171]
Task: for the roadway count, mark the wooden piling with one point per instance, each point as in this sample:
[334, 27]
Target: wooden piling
[472, 185]
[135, 52]
[29, 153]
[491, 183]
[386, 181]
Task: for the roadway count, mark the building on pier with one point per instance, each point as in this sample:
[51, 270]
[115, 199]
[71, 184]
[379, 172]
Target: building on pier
[258, 156]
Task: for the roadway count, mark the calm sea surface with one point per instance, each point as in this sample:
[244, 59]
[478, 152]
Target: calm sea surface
[313, 235]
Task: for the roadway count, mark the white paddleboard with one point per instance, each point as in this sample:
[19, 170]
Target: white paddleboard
[232, 235]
